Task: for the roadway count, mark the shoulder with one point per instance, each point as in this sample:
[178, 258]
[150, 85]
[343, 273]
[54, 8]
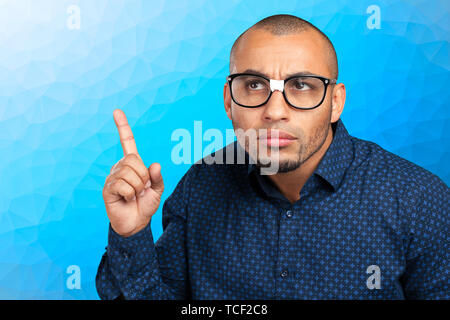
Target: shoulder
[421, 197]
[385, 166]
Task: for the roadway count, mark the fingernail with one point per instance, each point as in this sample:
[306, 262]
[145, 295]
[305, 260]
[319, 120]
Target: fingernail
[148, 184]
[142, 193]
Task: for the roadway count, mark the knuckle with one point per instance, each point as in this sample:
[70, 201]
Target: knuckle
[116, 165]
[108, 180]
[114, 168]
[141, 185]
[144, 173]
[115, 184]
[105, 190]
[123, 170]
[128, 138]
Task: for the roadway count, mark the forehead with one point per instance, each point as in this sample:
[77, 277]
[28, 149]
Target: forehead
[279, 56]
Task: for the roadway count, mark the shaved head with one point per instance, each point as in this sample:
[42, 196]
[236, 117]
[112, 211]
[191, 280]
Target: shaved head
[284, 24]
[280, 47]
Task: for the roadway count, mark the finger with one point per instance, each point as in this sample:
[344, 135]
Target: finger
[123, 189]
[135, 162]
[125, 133]
[131, 177]
[116, 166]
[157, 183]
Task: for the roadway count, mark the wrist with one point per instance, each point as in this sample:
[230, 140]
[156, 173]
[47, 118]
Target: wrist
[136, 230]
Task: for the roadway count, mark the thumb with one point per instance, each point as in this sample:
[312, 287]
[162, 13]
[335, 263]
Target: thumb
[156, 179]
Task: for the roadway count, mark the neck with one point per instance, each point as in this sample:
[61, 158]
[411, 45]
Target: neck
[291, 183]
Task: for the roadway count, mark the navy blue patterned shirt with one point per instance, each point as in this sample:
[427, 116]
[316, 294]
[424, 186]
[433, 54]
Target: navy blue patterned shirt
[368, 225]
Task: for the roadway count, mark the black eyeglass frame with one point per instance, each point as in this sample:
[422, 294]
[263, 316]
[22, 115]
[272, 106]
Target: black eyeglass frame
[326, 82]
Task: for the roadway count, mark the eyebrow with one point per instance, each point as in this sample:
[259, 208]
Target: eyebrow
[301, 73]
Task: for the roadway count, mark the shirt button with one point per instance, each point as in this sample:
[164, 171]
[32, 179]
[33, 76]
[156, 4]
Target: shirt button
[289, 214]
[284, 273]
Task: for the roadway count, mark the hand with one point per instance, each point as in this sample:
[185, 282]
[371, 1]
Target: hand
[132, 192]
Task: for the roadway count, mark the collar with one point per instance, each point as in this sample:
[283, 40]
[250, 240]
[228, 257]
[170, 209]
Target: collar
[336, 160]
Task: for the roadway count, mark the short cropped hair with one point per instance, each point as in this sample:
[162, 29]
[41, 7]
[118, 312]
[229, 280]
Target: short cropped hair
[285, 24]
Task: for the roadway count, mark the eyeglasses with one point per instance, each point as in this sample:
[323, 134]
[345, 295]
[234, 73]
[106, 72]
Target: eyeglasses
[301, 92]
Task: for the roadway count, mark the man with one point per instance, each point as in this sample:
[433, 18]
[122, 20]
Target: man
[342, 218]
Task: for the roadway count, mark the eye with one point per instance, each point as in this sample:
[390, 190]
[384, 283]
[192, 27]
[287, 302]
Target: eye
[253, 85]
[301, 85]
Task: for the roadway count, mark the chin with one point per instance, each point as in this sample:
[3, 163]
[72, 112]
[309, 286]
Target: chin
[281, 155]
[283, 165]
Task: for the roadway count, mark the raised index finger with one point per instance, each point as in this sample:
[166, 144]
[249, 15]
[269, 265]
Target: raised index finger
[125, 133]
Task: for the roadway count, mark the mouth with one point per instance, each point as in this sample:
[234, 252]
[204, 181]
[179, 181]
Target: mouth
[276, 138]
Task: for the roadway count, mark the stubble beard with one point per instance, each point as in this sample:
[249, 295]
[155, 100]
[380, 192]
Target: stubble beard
[305, 152]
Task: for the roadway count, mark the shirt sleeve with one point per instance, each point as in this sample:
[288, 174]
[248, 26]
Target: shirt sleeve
[427, 266]
[137, 268]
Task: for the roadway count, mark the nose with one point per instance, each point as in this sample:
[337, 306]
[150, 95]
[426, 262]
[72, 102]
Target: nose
[276, 109]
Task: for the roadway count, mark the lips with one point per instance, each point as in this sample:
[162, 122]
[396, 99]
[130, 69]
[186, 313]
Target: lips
[276, 138]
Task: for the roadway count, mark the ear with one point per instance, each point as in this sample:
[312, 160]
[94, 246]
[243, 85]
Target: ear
[227, 99]
[337, 101]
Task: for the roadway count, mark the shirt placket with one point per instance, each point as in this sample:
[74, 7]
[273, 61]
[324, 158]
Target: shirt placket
[285, 242]
[290, 218]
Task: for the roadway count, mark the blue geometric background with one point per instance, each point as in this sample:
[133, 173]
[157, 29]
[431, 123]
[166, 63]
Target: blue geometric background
[164, 63]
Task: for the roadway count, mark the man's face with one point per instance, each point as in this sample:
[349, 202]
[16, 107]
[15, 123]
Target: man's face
[277, 57]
